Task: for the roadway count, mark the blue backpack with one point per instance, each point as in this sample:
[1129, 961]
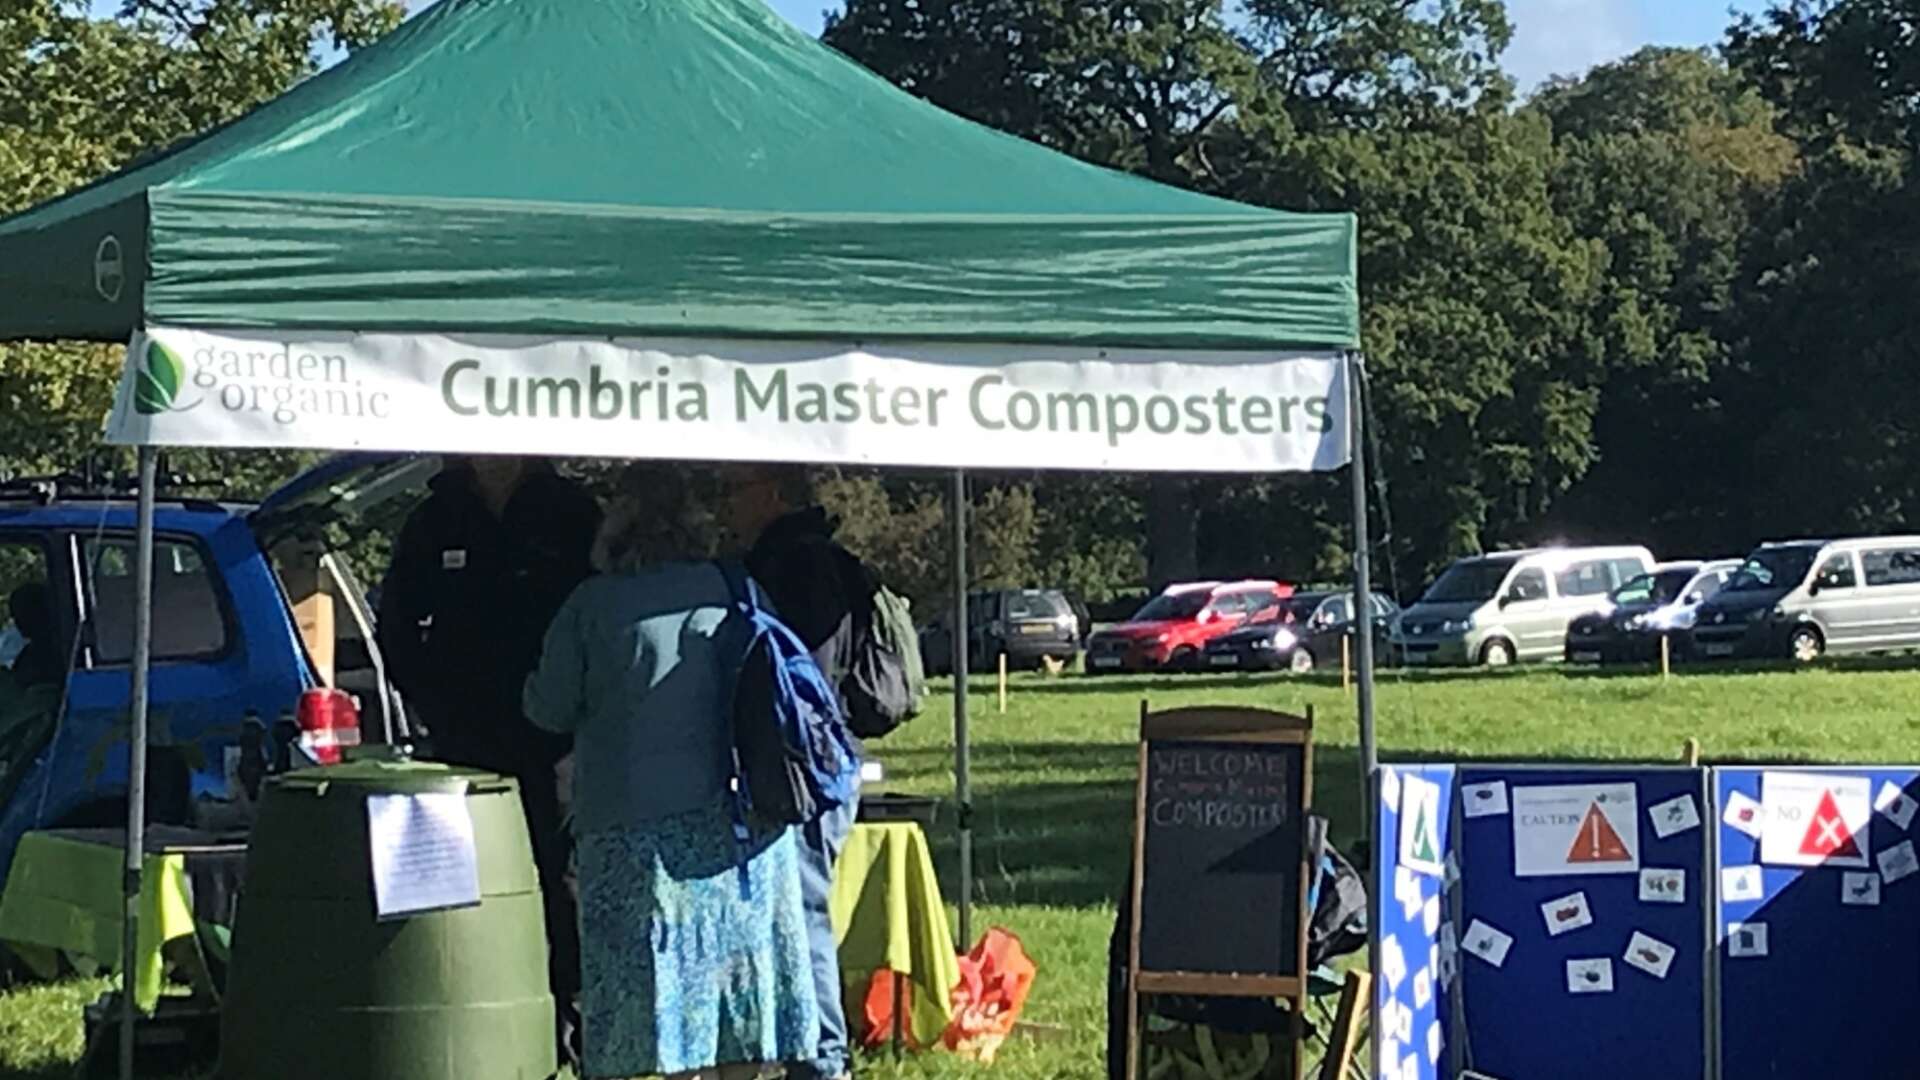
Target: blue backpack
[793, 758]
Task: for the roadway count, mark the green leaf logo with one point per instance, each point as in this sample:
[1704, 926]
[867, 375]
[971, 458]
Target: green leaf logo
[158, 381]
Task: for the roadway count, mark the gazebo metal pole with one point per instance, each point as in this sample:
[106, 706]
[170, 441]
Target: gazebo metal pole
[1362, 582]
[137, 754]
[962, 749]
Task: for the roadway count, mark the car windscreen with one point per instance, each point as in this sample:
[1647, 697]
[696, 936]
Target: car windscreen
[1170, 607]
[1661, 588]
[1037, 605]
[1301, 608]
[1773, 570]
[1473, 580]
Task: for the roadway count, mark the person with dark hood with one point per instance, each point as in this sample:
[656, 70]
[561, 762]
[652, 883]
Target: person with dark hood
[808, 576]
[480, 569]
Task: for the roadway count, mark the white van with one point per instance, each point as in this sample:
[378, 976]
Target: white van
[1804, 598]
[1512, 605]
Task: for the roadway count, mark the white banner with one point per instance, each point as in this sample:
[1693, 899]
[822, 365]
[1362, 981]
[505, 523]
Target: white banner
[966, 406]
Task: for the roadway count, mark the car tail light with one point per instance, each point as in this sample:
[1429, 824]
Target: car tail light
[329, 723]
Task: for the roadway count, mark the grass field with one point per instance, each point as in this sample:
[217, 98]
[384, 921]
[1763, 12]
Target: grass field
[1052, 796]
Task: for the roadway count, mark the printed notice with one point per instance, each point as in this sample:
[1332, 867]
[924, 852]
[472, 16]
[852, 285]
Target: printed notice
[1590, 976]
[1650, 955]
[1896, 806]
[1660, 885]
[1576, 830]
[1566, 914]
[1815, 819]
[1743, 813]
[1747, 940]
[1420, 826]
[1484, 800]
[1676, 815]
[1742, 883]
[1860, 889]
[1487, 943]
[423, 853]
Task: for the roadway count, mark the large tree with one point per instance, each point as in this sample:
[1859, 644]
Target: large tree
[1667, 158]
[82, 96]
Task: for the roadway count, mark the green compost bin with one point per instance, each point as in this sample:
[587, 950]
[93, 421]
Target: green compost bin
[321, 989]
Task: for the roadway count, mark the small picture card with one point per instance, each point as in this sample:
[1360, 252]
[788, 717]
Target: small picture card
[1390, 789]
[1447, 966]
[1567, 914]
[1422, 988]
[1740, 883]
[1485, 800]
[1450, 871]
[1897, 862]
[1676, 815]
[1860, 889]
[1389, 1049]
[1747, 940]
[1400, 1024]
[1487, 943]
[1405, 883]
[1650, 955]
[1659, 885]
[1433, 958]
[1745, 815]
[1430, 916]
[1593, 976]
[1896, 805]
[1393, 963]
[1410, 1066]
[1433, 1043]
[1412, 901]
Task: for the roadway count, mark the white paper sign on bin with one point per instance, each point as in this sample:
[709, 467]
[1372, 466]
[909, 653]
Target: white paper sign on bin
[424, 855]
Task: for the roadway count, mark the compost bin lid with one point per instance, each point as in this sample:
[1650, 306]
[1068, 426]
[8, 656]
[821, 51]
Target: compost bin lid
[400, 777]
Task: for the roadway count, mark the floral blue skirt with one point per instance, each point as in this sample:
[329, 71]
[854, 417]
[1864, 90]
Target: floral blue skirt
[693, 948]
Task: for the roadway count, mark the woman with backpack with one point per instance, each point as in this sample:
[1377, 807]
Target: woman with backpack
[694, 946]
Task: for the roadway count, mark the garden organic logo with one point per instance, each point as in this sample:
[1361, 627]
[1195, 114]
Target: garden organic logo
[156, 386]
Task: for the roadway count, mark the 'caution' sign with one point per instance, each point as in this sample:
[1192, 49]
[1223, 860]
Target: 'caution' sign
[1815, 819]
[1576, 829]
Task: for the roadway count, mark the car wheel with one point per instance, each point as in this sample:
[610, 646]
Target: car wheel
[1300, 662]
[1496, 653]
[1185, 658]
[1806, 645]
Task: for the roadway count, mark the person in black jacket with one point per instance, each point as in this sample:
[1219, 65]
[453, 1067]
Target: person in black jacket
[805, 573]
[479, 572]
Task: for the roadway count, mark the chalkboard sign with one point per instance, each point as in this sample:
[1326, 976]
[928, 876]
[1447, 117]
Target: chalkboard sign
[1220, 852]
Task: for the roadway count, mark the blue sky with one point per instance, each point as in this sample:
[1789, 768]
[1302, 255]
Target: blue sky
[1552, 37]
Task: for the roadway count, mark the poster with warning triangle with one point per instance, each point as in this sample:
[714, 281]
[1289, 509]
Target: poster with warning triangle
[1815, 819]
[1420, 827]
[1573, 830]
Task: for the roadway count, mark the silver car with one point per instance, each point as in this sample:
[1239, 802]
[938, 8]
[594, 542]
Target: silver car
[1512, 605]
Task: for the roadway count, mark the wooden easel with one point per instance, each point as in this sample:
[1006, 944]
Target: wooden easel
[1256, 729]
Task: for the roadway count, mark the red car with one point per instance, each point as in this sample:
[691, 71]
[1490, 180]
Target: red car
[1172, 630]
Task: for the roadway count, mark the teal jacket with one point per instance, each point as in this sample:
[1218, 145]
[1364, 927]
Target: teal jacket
[638, 668]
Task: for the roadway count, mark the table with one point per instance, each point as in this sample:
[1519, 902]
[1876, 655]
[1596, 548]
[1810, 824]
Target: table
[888, 913]
[63, 893]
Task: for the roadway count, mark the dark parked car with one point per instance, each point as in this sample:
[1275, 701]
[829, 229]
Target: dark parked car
[1308, 633]
[1029, 626]
[1640, 612]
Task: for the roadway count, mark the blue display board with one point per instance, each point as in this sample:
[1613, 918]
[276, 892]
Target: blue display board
[1836, 990]
[1520, 1019]
[1410, 913]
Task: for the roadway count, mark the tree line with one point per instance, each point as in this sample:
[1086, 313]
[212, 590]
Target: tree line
[1663, 301]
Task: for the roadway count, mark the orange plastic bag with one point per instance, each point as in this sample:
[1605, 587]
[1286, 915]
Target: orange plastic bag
[995, 979]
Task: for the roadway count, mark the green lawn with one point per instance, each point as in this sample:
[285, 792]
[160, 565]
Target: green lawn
[1052, 795]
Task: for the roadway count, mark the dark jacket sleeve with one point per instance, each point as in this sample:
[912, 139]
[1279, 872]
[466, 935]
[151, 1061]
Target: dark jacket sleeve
[404, 604]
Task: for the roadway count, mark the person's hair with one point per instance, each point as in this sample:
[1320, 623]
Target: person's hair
[793, 483]
[656, 517]
[32, 610]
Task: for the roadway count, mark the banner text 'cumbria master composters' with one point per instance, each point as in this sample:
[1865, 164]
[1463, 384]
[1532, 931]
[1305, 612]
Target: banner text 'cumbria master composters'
[971, 406]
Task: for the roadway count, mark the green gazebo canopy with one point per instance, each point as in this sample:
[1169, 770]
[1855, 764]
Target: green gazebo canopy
[655, 167]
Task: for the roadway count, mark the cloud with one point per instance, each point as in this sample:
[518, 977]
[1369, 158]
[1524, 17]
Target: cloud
[1566, 37]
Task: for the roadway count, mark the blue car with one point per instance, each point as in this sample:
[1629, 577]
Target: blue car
[227, 643]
